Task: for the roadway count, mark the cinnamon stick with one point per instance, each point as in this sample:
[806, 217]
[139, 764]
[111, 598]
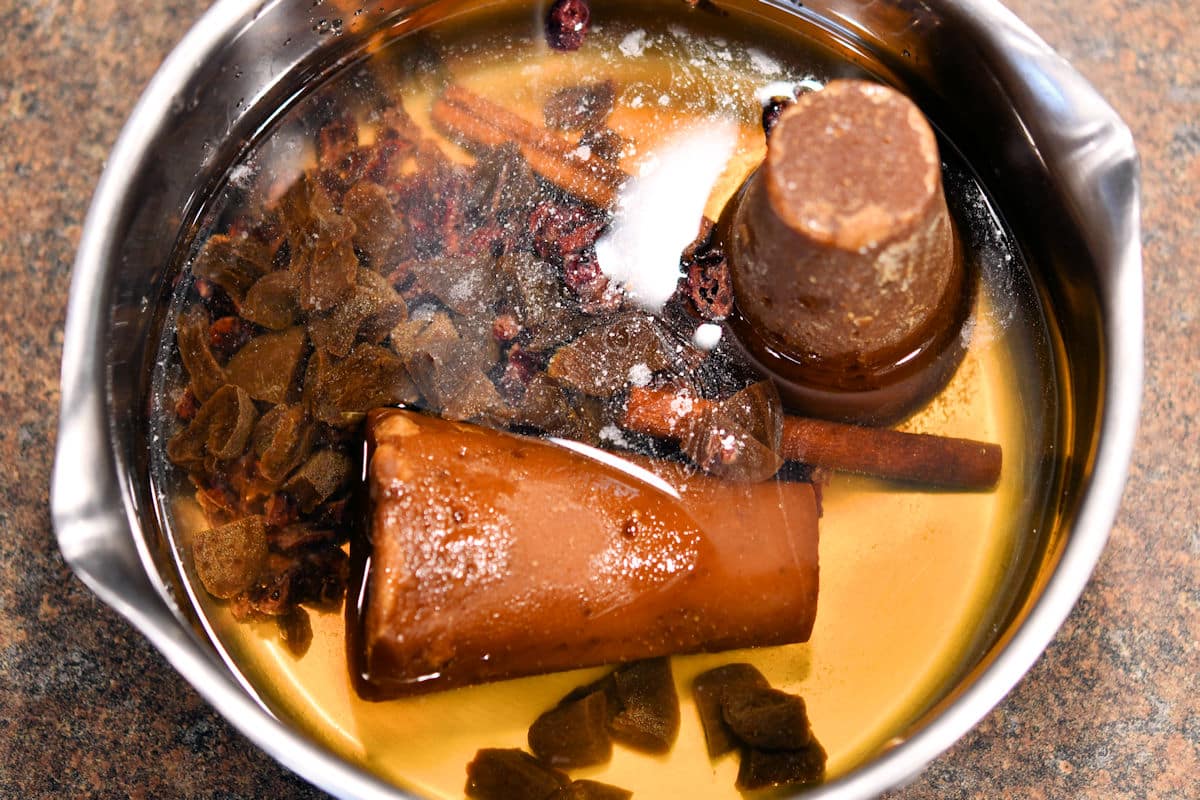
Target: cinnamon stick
[942, 461]
[477, 121]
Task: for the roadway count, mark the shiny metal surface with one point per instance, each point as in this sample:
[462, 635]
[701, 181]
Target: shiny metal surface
[1058, 159]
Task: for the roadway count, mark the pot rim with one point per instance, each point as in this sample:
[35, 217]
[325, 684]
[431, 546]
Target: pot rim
[94, 512]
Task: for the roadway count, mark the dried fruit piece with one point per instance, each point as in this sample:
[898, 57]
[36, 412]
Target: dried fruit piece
[573, 733]
[648, 718]
[283, 438]
[273, 301]
[583, 107]
[466, 286]
[379, 233]
[323, 474]
[738, 438]
[227, 335]
[219, 432]
[567, 24]
[340, 391]
[761, 769]
[602, 359]
[229, 559]
[772, 110]
[767, 719]
[370, 312]
[268, 365]
[499, 774]
[710, 689]
[234, 263]
[315, 577]
[590, 790]
[191, 333]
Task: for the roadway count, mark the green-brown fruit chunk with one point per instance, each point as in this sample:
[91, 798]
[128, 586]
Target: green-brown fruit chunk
[762, 769]
[573, 733]
[499, 774]
[229, 559]
[709, 691]
[591, 790]
[341, 391]
[233, 263]
[767, 719]
[266, 367]
[648, 719]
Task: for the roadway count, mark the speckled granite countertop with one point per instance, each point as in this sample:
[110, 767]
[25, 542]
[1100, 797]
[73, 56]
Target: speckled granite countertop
[87, 708]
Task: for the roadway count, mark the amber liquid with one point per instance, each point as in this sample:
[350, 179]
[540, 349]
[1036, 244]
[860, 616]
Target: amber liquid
[914, 583]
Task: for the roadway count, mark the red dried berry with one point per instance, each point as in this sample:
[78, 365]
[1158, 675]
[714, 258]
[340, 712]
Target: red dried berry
[567, 24]
[772, 111]
[227, 335]
[505, 328]
[187, 406]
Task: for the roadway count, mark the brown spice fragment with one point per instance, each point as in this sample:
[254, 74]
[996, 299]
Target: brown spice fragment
[233, 263]
[227, 335]
[341, 391]
[273, 301]
[767, 719]
[378, 232]
[324, 473]
[283, 439]
[369, 312]
[599, 361]
[709, 284]
[762, 769]
[295, 630]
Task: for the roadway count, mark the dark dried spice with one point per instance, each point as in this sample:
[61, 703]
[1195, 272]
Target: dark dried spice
[772, 111]
[232, 263]
[280, 510]
[191, 334]
[220, 431]
[268, 365]
[295, 630]
[709, 690]
[498, 774]
[341, 391]
[767, 719]
[273, 302]
[283, 439]
[370, 312]
[323, 474]
[590, 790]
[574, 733]
[762, 769]
[336, 138]
[648, 719]
[567, 24]
[709, 283]
[227, 335]
[545, 406]
[599, 361]
[299, 537]
[558, 230]
[576, 108]
[605, 144]
[313, 577]
[321, 246]
[229, 559]
[379, 234]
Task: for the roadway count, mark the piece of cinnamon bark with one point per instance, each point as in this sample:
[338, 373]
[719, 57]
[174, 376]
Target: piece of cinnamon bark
[496, 556]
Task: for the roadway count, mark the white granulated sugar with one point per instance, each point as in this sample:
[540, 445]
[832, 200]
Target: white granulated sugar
[640, 374]
[659, 210]
[763, 63]
[707, 336]
[765, 92]
[664, 99]
[809, 85]
[636, 102]
[681, 405]
[611, 433]
[583, 152]
[724, 55]
[634, 43]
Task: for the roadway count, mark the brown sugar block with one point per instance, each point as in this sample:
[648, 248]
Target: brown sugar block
[843, 256]
[497, 556]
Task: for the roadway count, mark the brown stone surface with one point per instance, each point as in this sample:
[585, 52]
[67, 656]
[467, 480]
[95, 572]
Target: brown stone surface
[88, 709]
